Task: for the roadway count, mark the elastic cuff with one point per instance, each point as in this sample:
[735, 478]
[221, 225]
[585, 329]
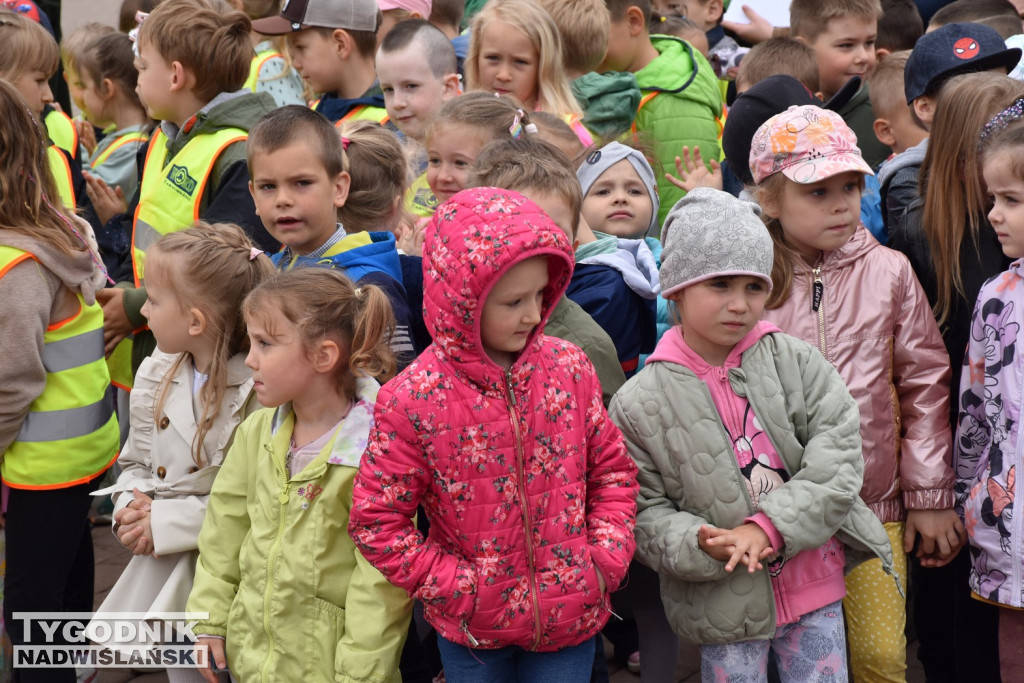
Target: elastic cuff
[774, 537]
[134, 299]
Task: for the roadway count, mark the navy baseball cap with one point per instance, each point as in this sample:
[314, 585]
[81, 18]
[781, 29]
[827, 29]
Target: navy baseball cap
[762, 101]
[952, 50]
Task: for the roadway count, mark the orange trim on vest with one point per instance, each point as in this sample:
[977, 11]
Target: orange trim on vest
[66, 167]
[66, 484]
[121, 142]
[61, 323]
[644, 100]
[356, 112]
[23, 257]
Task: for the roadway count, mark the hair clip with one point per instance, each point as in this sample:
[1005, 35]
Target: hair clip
[1000, 121]
[345, 142]
[254, 252]
[140, 18]
[516, 129]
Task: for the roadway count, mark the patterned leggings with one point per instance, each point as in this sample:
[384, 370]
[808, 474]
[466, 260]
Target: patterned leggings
[810, 649]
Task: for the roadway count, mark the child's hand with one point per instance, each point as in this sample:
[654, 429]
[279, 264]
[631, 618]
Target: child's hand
[216, 657]
[757, 31]
[136, 531]
[747, 543]
[86, 136]
[409, 237]
[694, 173]
[107, 201]
[116, 325]
[942, 536]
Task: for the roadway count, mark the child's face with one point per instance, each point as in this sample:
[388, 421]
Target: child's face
[168, 321]
[34, 86]
[316, 59]
[451, 153]
[819, 216]
[513, 309]
[903, 129]
[1007, 192]
[618, 202]
[73, 78]
[705, 14]
[279, 361]
[295, 197]
[93, 103]
[676, 8]
[412, 93]
[716, 314]
[846, 48]
[154, 84]
[508, 63]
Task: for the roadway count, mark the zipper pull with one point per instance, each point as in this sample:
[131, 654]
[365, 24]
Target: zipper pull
[469, 636]
[508, 387]
[819, 290]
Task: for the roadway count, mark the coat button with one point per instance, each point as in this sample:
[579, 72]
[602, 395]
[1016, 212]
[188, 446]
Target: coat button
[193, 469]
[164, 422]
[161, 471]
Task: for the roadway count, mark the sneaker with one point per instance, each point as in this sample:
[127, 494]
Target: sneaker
[633, 663]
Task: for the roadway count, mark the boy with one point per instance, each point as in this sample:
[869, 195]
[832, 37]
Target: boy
[609, 99]
[779, 56]
[723, 51]
[191, 73]
[417, 72]
[447, 16]
[298, 183]
[332, 44]
[899, 28]
[842, 34]
[682, 101]
[895, 127]
[533, 167]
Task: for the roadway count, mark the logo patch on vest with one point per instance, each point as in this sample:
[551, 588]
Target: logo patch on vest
[181, 180]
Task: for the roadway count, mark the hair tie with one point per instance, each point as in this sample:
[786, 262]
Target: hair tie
[345, 142]
[1003, 119]
[359, 293]
[140, 19]
[516, 129]
[254, 252]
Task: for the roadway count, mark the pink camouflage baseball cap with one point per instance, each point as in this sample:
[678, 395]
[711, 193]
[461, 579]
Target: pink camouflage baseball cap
[806, 144]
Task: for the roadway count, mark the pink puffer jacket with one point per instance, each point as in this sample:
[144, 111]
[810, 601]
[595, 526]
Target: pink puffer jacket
[873, 323]
[525, 481]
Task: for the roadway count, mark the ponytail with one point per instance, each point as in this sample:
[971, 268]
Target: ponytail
[371, 355]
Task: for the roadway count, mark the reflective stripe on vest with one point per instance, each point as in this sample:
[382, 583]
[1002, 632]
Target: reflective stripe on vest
[257, 63]
[70, 434]
[137, 137]
[61, 170]
[171, 192]
[62, 131]
[364, 112]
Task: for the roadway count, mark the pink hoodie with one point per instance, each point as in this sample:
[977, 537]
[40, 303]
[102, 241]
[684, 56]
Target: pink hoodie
[813, 578]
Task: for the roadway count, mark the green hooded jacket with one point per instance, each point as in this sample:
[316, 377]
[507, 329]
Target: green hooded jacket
[608, 100]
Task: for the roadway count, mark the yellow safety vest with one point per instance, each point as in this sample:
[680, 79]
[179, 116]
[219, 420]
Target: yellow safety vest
[364, 112]
[257, 63]
[62, 131]
[61, 170]
[135, 137]
[70, 433]
[171, 191]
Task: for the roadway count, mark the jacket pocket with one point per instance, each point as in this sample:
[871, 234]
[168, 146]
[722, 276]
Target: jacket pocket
[328, 626]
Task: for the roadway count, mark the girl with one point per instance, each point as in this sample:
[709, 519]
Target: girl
[515, 49]
[277, 573]
[860, 304]
[946, 232]
[271, 70]
[500, 433]
[463, 127]
[108, 77]
[987, 449]
[52, 340]
[188, 398]
[380, 178]
[741, 393]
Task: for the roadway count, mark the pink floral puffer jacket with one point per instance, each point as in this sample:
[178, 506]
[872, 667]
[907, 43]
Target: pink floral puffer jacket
[525, 481]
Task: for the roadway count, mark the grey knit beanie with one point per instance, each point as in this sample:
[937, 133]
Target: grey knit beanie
[599, 161]
[710, 233]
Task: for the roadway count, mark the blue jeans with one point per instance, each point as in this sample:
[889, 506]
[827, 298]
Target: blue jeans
[514, 664]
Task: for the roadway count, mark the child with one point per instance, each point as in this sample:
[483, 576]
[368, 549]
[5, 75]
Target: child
[463, 127]
[447, 16]
[72, 47]
[619, 193]
[860, 304]
[531, 503]
[778, 56]
[51, 338]
[286, 590]
[379, 178]
[842, 33]
[749, 549]
[187, 401]
[583, 27]
[394, 12]
[682, 101]
[515, 50]
[899, 28]
[332, 45]
[988, 430]
[192, 63]
[270, 70]
[107, 73]
[723, 51]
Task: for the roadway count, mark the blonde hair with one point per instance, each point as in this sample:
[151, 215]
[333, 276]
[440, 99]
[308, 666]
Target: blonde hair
[951, 185]
[527, 16]
[584, 26]
[494, 115]
[780, 56]
[322, 303]
[74, 44]
[215, 47]
[810, 18]
[380, 174]
[213, 271]
[887, 97]
[27, 47]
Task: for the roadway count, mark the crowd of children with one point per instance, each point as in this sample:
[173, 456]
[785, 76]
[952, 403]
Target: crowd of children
[445, 354]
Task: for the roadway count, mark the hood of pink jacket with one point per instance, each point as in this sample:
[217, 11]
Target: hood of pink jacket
[673, 348]
[471, 242]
